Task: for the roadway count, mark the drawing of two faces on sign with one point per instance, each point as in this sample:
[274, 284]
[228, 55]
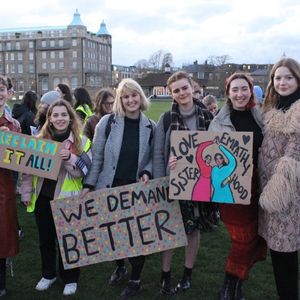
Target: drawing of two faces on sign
[212, 167]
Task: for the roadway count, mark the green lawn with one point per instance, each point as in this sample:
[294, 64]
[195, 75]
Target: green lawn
[207, 275]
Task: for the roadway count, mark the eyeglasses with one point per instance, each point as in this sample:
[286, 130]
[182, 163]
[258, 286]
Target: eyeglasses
[108, 104]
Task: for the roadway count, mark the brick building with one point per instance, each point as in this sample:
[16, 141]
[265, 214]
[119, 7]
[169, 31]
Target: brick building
[41, 57]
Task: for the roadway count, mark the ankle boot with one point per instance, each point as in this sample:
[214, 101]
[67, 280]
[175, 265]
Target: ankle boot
[228, 289]
[238, 294]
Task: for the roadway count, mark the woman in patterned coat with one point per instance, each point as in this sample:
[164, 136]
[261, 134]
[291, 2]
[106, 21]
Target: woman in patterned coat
[279, 172]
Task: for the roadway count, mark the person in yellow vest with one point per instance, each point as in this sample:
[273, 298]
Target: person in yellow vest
[83, 103]
[62, 125]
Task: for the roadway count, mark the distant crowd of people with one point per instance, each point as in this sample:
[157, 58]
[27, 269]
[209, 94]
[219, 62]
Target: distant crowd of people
[271, 220]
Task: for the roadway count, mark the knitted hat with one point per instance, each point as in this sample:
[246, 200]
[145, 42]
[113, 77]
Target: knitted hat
[50, 97]
[258, 93]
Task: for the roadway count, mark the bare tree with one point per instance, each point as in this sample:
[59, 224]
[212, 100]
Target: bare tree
[155, 60]
[167, 59]
[218, 60]
[142, 65]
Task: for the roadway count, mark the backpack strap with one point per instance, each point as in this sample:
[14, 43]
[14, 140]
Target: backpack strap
[167, 120]
[108, 125]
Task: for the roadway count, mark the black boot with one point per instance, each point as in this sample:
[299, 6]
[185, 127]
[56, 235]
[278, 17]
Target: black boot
[131, 290]
[231, 289]
[238, 294]
[184, 284]
[166, 288]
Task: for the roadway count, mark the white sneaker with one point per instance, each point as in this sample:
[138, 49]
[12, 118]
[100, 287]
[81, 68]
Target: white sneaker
[44, 284]
[70, 289]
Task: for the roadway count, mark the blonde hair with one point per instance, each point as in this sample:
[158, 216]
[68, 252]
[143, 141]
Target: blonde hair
[133, 86]
[272, 97]
[75, 125]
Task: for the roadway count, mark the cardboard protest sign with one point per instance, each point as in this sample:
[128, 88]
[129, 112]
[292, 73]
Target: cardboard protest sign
[212, 166]
[28, 154]
[109, 224]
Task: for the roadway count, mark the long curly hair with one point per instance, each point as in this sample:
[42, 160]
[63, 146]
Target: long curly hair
[272, 97]
[75, 125]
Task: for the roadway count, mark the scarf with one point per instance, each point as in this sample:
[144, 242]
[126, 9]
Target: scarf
[203, 117]
[285, 102]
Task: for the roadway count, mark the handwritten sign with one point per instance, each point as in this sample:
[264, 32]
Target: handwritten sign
[28, 154]
[119, 222]
[212, 166]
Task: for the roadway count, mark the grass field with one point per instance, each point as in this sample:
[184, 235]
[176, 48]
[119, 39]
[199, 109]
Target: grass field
[207, 275]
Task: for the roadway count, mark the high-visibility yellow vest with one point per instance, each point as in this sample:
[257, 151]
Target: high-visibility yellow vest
[86, 110]
[71, 186]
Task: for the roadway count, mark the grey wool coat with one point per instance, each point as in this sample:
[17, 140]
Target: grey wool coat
[106, 151]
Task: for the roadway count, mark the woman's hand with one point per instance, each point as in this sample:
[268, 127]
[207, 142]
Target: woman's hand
[4, 128]
[26, 203]
[145, 178]
[84, 192]
[172, 162]
[65, 154]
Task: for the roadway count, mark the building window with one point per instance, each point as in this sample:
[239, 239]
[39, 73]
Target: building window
[44, 44]
[12, 68]
[56, 81]
[60, 43]
[0, 46]
[44, 66]
[52, 54]
[1, 68]
[12, 56]
[8, 46]
[18, 47]
[61, 54]
[74, 42]
[44, 55]
[74, 83]
[20, 56]
[21, 86]
[31, 56]
[52, 43]
[65, 81]
[30, 45]
[74, 65]
[61, 65]
[74, 54]
[45, 84]
[200, 75]
[20, 68]
[210, 76]
[31, 68]
[52, 65]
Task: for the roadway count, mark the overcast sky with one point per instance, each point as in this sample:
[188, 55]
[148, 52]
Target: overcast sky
[257, 31]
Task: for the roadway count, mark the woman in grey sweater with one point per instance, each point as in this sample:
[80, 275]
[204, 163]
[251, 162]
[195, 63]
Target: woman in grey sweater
[122, 154]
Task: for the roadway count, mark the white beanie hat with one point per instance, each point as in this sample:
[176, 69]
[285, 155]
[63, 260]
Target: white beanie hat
[50, 97]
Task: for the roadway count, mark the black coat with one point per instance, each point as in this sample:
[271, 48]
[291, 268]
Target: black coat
[25, 117]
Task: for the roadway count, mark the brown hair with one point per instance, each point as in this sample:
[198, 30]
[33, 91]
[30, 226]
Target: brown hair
[100, 99]
[177, 76]
[75, 125]
[248, 78]
[272, 97]
[4, 81]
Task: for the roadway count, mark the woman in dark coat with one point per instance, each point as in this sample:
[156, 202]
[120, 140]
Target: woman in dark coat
[8, 212]
[25, 112]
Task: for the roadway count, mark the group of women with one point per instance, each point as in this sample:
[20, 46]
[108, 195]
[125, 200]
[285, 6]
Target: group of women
[136, 149]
